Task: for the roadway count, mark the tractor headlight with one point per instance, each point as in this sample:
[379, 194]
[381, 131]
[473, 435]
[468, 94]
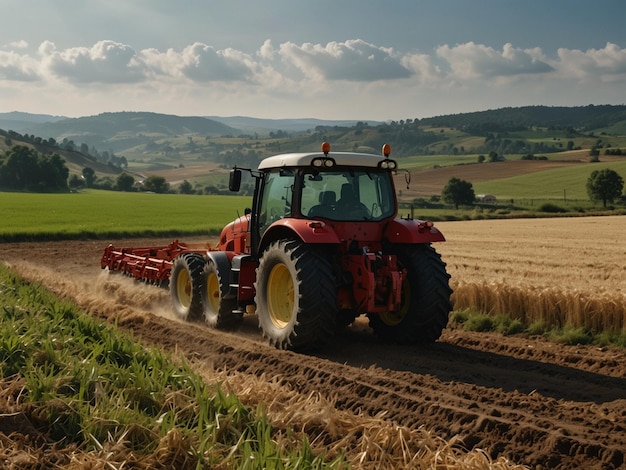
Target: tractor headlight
[323, 162]
[388, 164]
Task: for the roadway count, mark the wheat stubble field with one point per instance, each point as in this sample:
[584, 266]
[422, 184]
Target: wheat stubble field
[507, 399]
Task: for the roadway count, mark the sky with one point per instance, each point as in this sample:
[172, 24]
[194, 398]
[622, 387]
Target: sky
[327, 59]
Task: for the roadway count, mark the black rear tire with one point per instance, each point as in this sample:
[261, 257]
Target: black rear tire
[295, 296]
[425, 298]
[217, 305]
[186, 285]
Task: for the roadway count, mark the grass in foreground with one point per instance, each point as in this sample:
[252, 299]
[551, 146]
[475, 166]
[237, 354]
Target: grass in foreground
[77, 390]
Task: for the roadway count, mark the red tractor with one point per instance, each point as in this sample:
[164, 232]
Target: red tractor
[322, 245]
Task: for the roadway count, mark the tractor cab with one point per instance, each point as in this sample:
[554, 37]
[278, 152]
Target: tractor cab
[340, 194]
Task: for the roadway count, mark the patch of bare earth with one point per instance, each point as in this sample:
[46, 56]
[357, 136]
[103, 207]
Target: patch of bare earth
[516, 399]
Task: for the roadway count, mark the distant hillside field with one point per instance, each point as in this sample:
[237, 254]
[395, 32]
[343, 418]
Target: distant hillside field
[541, 179]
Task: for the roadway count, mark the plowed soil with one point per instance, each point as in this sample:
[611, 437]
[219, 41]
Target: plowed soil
[531, 401]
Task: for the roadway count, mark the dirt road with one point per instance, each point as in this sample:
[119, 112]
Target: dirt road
[536, 403]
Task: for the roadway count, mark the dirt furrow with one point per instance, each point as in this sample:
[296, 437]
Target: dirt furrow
[529, 428]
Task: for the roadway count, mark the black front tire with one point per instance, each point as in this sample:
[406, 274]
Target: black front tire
[295, 296]
[426, 300]
[186, 284]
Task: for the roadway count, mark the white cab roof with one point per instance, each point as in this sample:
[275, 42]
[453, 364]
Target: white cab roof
[305, 159]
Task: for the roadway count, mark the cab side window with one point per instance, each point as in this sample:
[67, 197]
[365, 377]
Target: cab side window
[277, 194]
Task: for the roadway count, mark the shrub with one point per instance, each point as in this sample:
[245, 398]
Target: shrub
[570, 335]
[537, 328]
[551, 208]
[460, 316]
[479, 322]
[506, 326]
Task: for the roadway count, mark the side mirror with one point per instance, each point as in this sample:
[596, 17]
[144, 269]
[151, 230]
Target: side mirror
[234, 181]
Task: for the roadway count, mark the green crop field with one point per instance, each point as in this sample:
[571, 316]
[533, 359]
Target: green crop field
[569, 182]
[101, 214]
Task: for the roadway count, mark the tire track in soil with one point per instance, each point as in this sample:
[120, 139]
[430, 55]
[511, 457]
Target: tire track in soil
[536, 403]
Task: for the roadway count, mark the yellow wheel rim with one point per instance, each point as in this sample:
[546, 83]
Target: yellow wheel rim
[280, 296]
[213, 291]
[183, 288]
[395, 318]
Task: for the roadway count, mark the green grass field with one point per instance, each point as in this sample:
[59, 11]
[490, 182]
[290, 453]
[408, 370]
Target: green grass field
[568, 183]
[99, 214]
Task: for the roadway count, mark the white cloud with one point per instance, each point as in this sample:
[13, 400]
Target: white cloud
[422, 68]
[203, 63]
[267, 51]
[19, 44]
[477, 61]
[18, 67]
[353, 60]
[608, 63]
[336, 78]
[104, 62]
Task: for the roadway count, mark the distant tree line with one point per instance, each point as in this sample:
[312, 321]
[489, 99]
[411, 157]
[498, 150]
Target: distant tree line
[154, 183]
[124, 182]
[47, 145]
[514, 119]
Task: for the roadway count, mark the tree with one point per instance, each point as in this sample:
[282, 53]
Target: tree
[157, 184]
[76, 182]
[604, 185]
[185, 188]
[23, 168]
[457, 192]
[125, 182]
[90, 176]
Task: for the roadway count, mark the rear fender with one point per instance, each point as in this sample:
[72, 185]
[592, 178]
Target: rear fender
[412, 231]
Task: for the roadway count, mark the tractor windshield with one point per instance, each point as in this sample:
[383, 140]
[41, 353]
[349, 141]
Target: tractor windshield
[348, 195]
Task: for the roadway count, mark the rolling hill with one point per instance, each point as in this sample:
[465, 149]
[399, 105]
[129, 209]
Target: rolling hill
[201, 149]
[116, 131]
